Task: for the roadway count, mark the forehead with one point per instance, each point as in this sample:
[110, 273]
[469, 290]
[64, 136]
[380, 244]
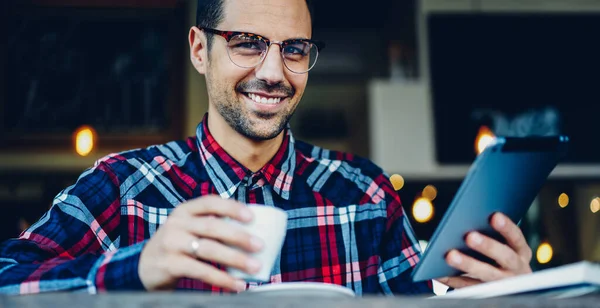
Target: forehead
[274, 19]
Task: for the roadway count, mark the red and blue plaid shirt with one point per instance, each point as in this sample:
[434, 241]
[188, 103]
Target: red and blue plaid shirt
[346, 224]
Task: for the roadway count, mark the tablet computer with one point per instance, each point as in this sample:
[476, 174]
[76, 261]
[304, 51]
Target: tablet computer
[506, 177]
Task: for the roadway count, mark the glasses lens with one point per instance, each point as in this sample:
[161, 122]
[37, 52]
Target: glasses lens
[300, 56]
[246, 51]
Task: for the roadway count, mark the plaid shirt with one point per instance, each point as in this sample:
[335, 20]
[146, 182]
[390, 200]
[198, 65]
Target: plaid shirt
[346, 224]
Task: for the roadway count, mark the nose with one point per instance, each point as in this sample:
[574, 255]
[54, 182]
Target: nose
[271, 69]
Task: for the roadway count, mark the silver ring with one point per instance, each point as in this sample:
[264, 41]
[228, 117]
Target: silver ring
[194, 245]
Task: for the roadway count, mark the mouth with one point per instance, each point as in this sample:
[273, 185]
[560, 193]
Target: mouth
[265, 104]
[265, 99]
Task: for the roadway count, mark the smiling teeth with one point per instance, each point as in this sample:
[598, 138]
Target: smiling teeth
[264, 100]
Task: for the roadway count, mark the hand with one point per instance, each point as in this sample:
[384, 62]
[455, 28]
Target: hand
[172, 252]
[513, 258]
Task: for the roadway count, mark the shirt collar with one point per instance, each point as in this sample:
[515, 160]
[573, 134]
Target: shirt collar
[227, 174]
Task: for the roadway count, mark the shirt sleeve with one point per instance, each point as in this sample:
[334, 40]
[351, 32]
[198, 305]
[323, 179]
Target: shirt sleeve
[75, 245]
[400, 250]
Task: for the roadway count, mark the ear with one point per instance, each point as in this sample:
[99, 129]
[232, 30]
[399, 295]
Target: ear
[198, 51]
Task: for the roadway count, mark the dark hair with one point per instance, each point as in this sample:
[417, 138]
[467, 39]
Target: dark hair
[209, 14]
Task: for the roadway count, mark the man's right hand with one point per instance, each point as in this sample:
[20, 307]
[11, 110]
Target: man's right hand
[170, 255]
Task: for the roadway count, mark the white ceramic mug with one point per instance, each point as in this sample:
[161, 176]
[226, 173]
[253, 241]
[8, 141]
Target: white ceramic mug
[270, 225]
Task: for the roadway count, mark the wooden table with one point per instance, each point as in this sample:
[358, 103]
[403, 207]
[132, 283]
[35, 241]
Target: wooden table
[173, 300]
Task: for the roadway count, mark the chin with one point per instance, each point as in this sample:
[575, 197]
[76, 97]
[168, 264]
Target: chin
[259, 136]
[263, 132]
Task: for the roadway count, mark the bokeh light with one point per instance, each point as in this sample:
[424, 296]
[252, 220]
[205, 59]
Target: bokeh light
[544, 253]
[484, 138]
[85, 138]
[429, 192]
[397, 181]
[422, 210]
[595, 205]
[563, 200]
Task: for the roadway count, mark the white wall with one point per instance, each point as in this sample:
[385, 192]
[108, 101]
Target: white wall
[401, 127]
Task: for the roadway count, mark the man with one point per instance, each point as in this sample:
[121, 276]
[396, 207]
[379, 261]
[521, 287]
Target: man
[346, 225]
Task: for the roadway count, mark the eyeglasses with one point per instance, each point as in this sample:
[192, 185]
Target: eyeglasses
[248, 50]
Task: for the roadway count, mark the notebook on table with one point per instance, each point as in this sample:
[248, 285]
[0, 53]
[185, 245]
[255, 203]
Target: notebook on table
[571, 280]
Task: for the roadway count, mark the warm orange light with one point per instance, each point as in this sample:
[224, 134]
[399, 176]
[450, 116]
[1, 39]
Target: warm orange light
[544, 253]
[595, 205]
[397, 181]
[85, 138]
[429, 192]
[484, 138]
[422, 210]
[563, 200]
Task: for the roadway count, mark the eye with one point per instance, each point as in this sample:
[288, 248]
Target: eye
[247, 43]
[296, 49]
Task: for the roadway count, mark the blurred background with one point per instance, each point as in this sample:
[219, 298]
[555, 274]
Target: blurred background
[419, 87]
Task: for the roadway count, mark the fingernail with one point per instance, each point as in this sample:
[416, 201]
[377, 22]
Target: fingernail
[500, 221]
[253, 265]
[245, 214]
[455, 258]
[240, 285]
[256, 243]
[476, 238]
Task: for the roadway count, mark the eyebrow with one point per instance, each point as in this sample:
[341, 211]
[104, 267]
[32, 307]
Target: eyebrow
[264, 36]
[297, 38]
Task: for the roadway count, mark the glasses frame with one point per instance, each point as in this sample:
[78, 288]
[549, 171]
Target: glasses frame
[228, 35]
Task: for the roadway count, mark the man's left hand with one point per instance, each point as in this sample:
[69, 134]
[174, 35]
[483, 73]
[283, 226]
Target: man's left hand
[512, 258]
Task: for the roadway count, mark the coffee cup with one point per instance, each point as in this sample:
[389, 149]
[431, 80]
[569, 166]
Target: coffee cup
[269, 225]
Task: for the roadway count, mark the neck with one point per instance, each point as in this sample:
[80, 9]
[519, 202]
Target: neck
[250, 153]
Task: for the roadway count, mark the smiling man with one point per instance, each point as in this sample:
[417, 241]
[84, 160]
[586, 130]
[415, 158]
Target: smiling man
[154, 218]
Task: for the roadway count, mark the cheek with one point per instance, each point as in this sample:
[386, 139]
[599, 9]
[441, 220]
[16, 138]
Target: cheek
[223, 84]
[225, 75]
[298, 82]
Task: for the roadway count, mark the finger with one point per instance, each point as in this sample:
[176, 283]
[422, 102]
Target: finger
[513, 235]
[474, 268]
[223, 231]
[217, 206]
[210, 250]
[459, 282]
[185, 266]
[501, 253]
